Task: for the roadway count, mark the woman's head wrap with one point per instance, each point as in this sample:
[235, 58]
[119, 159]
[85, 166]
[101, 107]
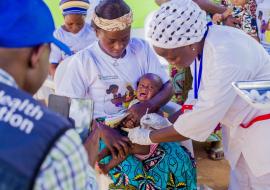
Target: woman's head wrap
[74, 7]
[116, 24]
[176, 24]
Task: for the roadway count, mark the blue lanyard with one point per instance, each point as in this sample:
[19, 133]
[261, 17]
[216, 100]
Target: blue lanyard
[197, 78]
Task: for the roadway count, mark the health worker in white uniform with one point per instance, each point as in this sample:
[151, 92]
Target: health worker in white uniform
[179, 32]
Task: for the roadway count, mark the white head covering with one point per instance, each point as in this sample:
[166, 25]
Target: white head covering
[176, 24]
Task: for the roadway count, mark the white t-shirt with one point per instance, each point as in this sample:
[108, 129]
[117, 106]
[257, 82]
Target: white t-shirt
[230, 55]
[259, 1]
[110, 82]
[76, 42]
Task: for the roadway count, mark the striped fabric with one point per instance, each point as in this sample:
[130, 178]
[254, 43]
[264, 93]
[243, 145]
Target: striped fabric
[66, 167]
[74, 7]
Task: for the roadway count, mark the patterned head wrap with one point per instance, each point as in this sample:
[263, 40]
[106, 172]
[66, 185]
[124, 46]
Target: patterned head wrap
[176, 24]
[74, 7]
[117, 24]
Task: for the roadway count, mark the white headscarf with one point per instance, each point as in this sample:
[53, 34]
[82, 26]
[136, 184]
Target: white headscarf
[176, 24]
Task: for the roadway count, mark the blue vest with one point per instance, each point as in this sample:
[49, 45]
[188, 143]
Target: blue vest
[28, 131]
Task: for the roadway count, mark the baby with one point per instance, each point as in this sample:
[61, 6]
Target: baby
[148, 86]
[242, 10]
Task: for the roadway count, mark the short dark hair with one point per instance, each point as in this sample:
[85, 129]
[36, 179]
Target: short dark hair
[153, 77]
[111, 9]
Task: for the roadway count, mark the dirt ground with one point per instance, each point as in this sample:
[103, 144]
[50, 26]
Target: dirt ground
[214, 174]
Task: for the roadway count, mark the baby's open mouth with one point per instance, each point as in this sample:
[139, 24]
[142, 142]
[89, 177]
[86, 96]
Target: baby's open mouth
[143, 94]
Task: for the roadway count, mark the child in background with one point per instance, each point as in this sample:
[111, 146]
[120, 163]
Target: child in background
[148, 86]
[74, 32]
[244, 11]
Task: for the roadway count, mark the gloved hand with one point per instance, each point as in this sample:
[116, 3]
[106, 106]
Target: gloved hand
[154, 121]
[140, 136]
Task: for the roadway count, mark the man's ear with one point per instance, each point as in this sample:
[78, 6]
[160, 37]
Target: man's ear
[36, 55]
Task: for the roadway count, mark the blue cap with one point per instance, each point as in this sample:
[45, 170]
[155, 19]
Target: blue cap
[27, 23]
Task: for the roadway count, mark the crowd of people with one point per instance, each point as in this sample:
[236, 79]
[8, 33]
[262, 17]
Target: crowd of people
[207, 45]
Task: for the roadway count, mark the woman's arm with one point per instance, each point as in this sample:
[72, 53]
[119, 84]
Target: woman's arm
[118, 144]
[213, 8]
[167, 134]
[210, 7]
[175, 116]
[91, 146]
[52, 68]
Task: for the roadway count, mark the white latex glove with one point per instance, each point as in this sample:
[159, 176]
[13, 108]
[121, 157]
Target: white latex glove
[140, 136]
[154, 121]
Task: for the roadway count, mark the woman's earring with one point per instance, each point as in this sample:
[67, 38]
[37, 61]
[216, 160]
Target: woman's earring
[193, 49]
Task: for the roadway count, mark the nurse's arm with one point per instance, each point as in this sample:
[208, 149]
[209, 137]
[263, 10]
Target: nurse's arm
[168, 134]
[175, 116]
[214, 101]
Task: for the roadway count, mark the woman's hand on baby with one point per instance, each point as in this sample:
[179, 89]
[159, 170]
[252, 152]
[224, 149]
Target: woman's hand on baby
[129, 124]
[118, 145]
[105, 168]
[135, 114]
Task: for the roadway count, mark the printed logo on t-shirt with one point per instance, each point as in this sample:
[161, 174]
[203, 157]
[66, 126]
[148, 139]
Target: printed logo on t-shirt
[118, 97]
